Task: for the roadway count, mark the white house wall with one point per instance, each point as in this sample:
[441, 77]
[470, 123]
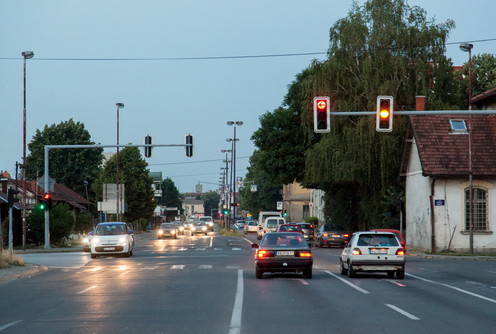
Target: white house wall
[417, 210]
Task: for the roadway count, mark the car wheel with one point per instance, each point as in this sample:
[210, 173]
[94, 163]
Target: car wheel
[93, 256]
[400, 274]
[351, 272]
[258, 273]
[343, 270]
[175, 236]
[307, 273]
[320, 243]
[390, 274]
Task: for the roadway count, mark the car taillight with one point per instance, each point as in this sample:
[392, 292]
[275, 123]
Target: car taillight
[346, 235]
[305, 254]
[263, 254]
[400, 251]
[356, 251]
[326, 234]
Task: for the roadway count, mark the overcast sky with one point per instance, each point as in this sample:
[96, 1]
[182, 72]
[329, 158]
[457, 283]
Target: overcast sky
[170, 98]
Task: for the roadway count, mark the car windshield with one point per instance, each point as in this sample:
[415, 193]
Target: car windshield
[199, 223]
[252, 223]
[306, 226]
[291, 228]
[167, 226]
[206, 219]
[377, 240]
[271, 223]
[283, 240]
[110, 229]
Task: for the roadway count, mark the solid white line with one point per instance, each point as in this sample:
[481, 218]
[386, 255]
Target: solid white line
[454, 288]
[349, 283]
[235, 327]
[86, 290]
[406, 314]
[211, 242]
[302, 281]
[10, 325]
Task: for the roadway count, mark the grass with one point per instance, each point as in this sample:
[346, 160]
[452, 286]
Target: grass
[6, 260]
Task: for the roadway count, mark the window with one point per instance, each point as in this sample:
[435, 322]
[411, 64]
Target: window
[458, 126]
[479, 209]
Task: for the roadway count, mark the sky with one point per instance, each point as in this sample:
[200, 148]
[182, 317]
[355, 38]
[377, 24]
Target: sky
[175, 66]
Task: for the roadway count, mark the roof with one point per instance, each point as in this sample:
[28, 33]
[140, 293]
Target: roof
[446, 153]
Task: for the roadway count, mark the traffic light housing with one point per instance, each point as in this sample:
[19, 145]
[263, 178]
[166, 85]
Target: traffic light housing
[12, 196]
[384, 116]
[148, 149]
[47, 201]
[225, 211]
[321, 114]
[189, 146]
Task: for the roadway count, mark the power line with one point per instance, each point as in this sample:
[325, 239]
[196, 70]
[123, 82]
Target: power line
[193, 162]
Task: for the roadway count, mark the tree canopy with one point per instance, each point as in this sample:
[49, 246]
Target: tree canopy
[71, 167]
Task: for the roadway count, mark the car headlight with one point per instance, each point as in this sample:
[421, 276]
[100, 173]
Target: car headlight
[173, 232]
[181, 228]
[95, 241]
[160, 232]
[204, 228]
[86, 241]
[122, 240]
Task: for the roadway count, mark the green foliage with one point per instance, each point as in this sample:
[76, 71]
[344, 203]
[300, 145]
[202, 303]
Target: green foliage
[71, 167]
[83, 223]
[313, 220]
[211, 202]
[170, 198]
[61, 225]
[134, 174]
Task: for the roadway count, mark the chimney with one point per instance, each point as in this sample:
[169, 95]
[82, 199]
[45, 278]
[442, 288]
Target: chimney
[420, 103]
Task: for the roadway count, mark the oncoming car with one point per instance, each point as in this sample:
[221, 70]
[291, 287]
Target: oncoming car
[373, 252]
[283, 252]
[209, 221]
[199, 227]
[112, 238]
[167, 230]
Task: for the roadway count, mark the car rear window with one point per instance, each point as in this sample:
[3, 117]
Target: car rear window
[377, 240]
[283, 240]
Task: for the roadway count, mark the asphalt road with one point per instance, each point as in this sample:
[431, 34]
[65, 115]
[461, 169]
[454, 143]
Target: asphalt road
[207, 284]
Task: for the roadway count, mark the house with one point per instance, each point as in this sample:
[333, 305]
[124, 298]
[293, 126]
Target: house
[296, 202]
[193, 207]
[444, 157]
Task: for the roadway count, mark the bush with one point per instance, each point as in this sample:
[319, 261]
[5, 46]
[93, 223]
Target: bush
[312, 220]
[61, 225]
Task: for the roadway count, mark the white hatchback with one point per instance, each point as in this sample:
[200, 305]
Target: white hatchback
[373, 252]
[112, 238]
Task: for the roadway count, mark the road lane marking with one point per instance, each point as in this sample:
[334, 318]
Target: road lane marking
[211, 242]
[302, 281]
[149, 268]
[235, 327]
[454, 288]
[236, 249]
[356, 287]
[178, 266]
[205, 266]
[86, 290]
[395, 282]
[405, 313]
[10, 324]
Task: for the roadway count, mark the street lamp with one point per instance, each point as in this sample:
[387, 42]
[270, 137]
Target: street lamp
[466, 47]
[118, 195]
[233, 168]
[26, 55]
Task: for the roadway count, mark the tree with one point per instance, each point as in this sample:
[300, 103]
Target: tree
[483, 77]
[170, 197]
[61, 224]
[71, 167]
[133, 173]
[211, 202]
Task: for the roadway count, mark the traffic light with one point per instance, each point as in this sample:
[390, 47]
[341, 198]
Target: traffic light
[384, 116]
[148, 149]
[189, 146]
[225, 211]
[47, 201]
[12, 196]
[321, 114]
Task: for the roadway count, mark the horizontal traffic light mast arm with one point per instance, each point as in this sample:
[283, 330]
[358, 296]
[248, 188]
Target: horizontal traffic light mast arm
[416, 112]
[114, 145]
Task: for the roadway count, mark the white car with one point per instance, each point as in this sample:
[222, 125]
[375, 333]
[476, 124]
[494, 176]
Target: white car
[112, 238]
[373, 252]
[209, 221]
[251, 226]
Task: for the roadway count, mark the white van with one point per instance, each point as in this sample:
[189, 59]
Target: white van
[270, 225]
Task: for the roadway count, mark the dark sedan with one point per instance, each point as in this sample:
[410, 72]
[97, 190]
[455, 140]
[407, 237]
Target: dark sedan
[330, 236]
[283, 252]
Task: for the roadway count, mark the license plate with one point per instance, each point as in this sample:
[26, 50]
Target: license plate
[285, 253]
[108, 248]
[336, 236]
[378, 251]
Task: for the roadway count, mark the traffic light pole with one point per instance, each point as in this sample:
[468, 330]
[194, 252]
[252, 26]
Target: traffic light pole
[46, 171]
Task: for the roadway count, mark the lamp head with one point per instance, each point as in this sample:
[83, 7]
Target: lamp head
[466, 47]
[28, 54]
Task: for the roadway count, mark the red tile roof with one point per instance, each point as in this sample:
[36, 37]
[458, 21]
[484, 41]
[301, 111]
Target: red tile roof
[444, 153]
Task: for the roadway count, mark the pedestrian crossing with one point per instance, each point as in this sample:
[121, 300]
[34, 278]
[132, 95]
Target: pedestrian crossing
[94, 269]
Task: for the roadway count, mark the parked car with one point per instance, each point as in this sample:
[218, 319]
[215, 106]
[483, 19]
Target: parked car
[329, 236]
[397, 233]
[283, 252]
[209, 221]
[289, 228]
[199, 227]
[308, 230]
[112, 238]
[373, 252]
[167, 230]
[251, 226]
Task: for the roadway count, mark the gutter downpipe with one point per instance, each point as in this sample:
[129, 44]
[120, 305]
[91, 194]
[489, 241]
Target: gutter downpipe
[433, 217]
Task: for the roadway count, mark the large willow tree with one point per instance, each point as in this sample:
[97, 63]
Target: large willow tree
[384, 47]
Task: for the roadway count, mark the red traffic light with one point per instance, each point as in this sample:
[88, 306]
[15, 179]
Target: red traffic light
[47, 196]
[321, 114]
[321, 105]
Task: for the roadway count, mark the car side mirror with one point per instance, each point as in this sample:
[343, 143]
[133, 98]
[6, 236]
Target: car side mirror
[254, 245]
[90, 233]
[130, 232]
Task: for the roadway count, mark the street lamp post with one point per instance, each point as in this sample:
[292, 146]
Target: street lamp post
[227, 193]
[234, 140]
[118, 193]
[26, 55]
[466, 47]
